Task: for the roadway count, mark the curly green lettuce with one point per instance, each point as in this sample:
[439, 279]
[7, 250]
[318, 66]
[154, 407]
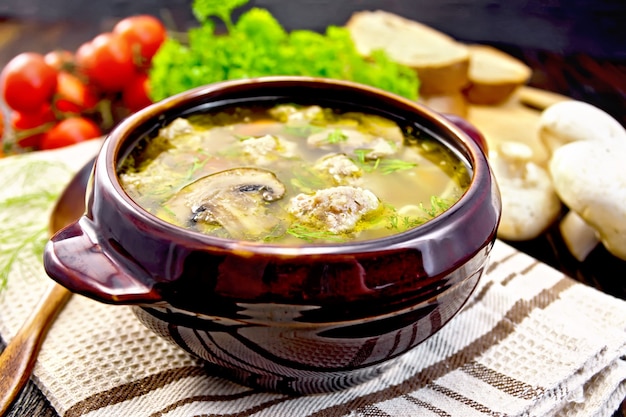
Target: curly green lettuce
[257, 45]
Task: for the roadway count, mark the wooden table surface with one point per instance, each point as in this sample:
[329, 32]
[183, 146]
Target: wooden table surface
[601, 82]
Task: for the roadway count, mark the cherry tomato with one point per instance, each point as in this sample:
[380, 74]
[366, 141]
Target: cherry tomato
[27, 82]
[72, 95]
[70, 131]
[60, 59]
[107, 60]
[144, 33]
[135, 95]
[30, 127]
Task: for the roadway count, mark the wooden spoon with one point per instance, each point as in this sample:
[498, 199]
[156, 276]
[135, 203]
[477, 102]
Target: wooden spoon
[18, 358]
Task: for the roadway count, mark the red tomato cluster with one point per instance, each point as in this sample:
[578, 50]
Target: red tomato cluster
[62, 98]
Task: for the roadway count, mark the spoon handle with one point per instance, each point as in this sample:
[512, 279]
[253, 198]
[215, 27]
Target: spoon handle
[19, 357]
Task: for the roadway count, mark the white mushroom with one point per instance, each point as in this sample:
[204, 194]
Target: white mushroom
[586, 167]
[235, 199]
[590, 178]
[529, 202]
[571, 121]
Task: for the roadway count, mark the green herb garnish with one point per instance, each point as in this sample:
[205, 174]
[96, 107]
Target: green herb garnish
[387, 166]
[24, 213]
[197, 165]
[361, 155]
[308, 234]
[336, 136]
[399, 222]
[437, 206]
[384, 165]
[307, 181]
[402, 223]
[257, 45]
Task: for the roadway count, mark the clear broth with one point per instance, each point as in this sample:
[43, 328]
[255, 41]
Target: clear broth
[413, 176]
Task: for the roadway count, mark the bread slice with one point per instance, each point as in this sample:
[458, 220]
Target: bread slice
[441, 62]
[494, 75]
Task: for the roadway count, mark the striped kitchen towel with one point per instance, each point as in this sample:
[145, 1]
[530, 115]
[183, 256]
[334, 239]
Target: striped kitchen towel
[530, 342]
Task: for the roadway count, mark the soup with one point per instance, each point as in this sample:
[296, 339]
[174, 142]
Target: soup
[292, 174]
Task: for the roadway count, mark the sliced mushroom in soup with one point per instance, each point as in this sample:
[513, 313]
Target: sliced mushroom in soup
[293, 175]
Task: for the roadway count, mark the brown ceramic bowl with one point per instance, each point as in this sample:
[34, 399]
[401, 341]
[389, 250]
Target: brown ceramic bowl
[298, 319]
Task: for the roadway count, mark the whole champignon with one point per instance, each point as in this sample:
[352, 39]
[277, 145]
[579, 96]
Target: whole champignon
[529, 201]
[572, 121]
[590, 178]
[234, 199]
[587, 168]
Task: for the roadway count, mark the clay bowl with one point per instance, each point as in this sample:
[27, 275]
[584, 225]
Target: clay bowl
[300, 319]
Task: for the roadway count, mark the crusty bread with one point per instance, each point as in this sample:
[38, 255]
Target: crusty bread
[440, 61]
[494, 75]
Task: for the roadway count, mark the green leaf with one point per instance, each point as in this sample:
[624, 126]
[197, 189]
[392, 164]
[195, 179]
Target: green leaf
[336, 136]
[257, 45]
[222, 9]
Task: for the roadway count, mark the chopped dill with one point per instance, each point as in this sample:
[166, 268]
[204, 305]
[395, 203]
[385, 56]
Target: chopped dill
[276, 233]
[387, 166]
[197, 165]
[26, 196]
[384, 165]
[396, 221]
[402, 223]
[393, 221]
[307, 180]
[308, 234]
[411, 222]
[437, 206]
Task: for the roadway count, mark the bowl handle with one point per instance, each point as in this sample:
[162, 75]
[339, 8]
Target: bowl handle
[76, 259]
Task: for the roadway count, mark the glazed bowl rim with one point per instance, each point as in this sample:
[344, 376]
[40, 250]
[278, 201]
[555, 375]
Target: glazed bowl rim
[109, 156]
